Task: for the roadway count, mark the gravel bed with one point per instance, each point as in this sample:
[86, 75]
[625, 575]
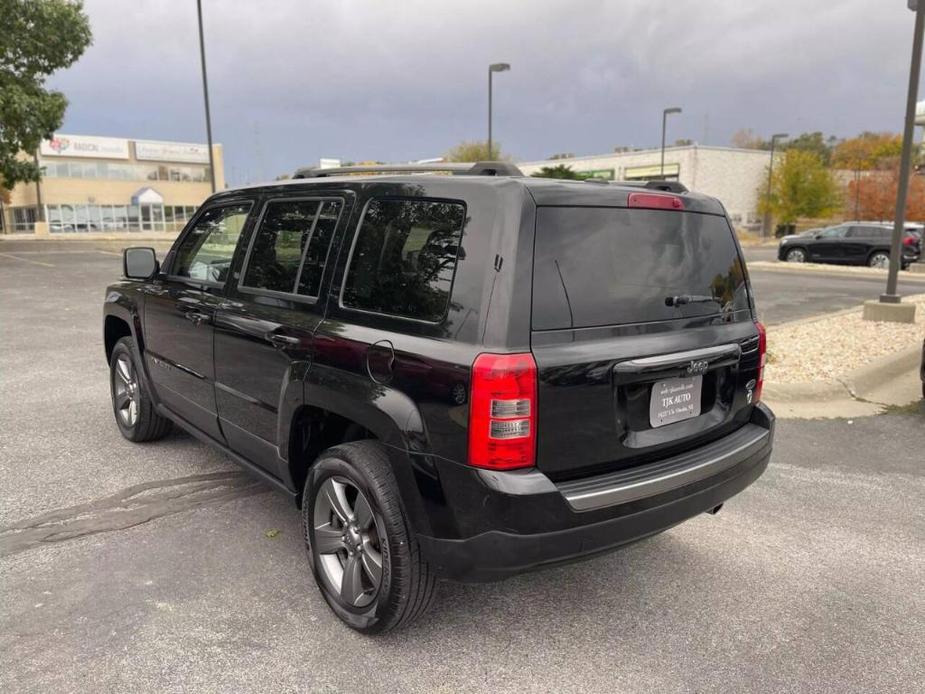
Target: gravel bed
[830, 348]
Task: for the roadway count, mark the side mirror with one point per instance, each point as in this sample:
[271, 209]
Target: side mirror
[817, 236]
[139, 263]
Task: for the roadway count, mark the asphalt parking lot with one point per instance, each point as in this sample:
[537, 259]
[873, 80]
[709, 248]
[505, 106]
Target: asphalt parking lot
[161, 567]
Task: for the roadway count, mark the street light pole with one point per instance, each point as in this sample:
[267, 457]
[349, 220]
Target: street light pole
[673, 109]
[766, 225]
[205, 93]
[494, 67]
[899, 220]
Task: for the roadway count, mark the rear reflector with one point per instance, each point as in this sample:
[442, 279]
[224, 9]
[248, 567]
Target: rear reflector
[655, 201]
[502, 411]
[762, 358]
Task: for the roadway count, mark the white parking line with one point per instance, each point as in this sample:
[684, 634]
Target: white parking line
[25, 260]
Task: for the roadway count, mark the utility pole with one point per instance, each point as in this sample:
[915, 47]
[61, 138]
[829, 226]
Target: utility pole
[39, 207]
[205, 93]
[899, 219]
[665, 112]
[766, 225]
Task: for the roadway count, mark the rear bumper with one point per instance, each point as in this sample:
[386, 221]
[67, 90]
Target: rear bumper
[592, 516]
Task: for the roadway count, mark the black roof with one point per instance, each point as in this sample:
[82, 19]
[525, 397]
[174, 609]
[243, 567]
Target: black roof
[544, 191]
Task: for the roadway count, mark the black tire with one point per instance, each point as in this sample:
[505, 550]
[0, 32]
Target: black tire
[147, 424]
[407, 585]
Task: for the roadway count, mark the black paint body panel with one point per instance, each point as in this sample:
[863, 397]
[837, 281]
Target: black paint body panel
[407, 382]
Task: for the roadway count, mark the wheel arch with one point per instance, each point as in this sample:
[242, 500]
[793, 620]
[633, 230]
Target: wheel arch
[334, 414]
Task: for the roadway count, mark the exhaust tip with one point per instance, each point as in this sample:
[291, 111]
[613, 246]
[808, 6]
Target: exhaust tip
[713, 511]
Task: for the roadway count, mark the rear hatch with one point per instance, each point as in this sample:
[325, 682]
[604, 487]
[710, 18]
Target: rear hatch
[643, 336]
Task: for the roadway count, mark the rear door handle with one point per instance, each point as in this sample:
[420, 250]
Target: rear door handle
[197, 318]
[281, 341]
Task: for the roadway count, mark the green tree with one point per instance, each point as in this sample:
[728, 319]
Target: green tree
[475, 150]
[814, 142]
[558, 171]
[37, 37]
[801, 186]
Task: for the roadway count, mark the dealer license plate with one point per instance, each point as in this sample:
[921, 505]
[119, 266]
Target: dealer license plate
[674, 400]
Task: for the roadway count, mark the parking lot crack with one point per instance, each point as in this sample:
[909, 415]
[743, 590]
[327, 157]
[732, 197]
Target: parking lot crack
[127, 508]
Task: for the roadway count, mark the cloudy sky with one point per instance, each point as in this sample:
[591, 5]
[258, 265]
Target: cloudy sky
[295, 80]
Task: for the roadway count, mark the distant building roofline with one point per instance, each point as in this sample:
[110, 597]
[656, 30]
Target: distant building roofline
[650, 150]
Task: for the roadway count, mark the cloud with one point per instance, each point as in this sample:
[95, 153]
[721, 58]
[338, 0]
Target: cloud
[291, 80]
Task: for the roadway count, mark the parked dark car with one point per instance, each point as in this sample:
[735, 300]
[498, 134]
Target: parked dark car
[464, 376]
[852, 243]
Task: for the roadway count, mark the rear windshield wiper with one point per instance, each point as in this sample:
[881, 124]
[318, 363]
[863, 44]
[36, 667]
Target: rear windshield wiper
[683, 299]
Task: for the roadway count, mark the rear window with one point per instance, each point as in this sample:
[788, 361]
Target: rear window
[608, 266]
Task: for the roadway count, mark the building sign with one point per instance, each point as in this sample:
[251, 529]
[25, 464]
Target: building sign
[84, 146]
[171, 151]
[644, 173]
[604, 174]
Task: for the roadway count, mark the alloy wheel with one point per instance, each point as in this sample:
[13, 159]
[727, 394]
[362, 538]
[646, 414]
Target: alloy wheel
[880, 260]
[796, 256]
[125, 390]
[347, 542]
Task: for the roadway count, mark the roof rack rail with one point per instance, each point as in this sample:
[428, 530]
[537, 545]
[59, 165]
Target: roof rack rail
[482, 168]
[657, 184]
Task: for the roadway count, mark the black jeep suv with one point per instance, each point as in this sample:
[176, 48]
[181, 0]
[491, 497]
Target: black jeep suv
[459, 376]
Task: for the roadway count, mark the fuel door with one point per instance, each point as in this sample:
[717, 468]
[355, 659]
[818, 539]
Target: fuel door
[380, 361]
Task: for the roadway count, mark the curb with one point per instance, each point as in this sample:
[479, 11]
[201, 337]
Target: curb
[813, 392]
[866, 379]
[858, 385]
[904, 275]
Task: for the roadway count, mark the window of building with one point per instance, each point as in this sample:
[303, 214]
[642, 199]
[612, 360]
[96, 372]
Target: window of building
[23, 220]
[125, 172]
[206, 251]
[404, 258]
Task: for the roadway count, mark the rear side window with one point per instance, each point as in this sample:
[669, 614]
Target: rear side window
[404, 258]
[290, 247]
[610, 266]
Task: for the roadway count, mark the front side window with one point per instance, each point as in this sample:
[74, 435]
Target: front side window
[404, 258]
[834, 233]
[205, 253]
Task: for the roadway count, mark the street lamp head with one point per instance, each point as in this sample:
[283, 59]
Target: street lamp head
[673, 109]
[499, 67]
[779, 136]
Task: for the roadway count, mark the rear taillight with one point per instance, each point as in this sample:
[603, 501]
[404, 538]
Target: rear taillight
[502, 411]
[762, 358]
[655, 201]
